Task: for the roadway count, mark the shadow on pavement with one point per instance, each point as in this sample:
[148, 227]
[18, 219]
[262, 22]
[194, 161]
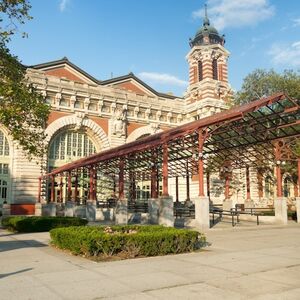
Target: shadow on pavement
[18, 244]
[13, 273]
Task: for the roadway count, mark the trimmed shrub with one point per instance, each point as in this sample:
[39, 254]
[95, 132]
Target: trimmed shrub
[268, 213]
[292, 215]
[40, 224]
[134, 240]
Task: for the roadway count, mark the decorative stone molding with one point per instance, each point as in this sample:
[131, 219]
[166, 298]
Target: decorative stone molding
[150, 129]
[87, 102]
[179, 118]
[136, 111]
[119, 121]
[99, 134]
[113, 107]
[147, 113]
[44, 93]
[155, 127]
[79, 120]
[158, 115]
[72, 102]
[57, 100]
[169, 116]
[100, 106]
[218, 89]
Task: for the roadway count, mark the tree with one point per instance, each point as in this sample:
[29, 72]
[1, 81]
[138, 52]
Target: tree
[261, 83]
[22, 109]
[11, 13]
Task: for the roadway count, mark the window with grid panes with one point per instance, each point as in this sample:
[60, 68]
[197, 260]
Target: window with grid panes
[4, 167]
[70, 145]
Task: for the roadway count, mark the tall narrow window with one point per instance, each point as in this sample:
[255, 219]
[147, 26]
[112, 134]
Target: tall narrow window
[215, 69]
[4, 168]
[287, 187]
[200, 71]
[269, 191]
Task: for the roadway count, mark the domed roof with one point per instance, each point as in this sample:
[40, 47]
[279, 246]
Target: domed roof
[207, 34]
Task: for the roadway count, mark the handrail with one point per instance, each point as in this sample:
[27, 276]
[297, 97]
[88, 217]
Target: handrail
[233, 212]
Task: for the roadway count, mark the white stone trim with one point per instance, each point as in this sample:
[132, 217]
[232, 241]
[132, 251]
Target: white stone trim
[149, 129]
[99, 134]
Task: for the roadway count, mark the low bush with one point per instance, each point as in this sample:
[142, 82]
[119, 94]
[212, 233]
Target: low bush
[292, 215]
[39, 224]
[131, 240]
[268, 213]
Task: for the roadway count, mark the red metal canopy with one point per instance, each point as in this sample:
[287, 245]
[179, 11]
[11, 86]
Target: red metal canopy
[242, 135]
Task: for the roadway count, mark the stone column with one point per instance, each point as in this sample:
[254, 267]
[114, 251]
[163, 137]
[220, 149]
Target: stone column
[202, 212]
[166, 211]
[91, 210]
[280, 206]
[122, 212]
[298, 209]
[6, 210]
[228, 202]
[69, 209]
[153, 210]
[38, 209]
[49, 209]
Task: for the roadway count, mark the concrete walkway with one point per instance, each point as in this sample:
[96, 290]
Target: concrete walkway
[242, 263]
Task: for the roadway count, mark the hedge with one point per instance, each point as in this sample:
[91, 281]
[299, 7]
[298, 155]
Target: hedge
[135, 240]
[40, 224]
[292, 215]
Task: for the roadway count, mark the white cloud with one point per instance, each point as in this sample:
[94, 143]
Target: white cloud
[236, 13]
[162, 78]
[296, 22]
[63, 5]
[288, 55]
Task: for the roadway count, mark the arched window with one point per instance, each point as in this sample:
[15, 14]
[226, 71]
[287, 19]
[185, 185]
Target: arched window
[269, 187]
[215, 69]
[200, 71]
[4, 167]
[70, 145]
[66, 146]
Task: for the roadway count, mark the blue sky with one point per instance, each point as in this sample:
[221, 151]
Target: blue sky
[150, 37]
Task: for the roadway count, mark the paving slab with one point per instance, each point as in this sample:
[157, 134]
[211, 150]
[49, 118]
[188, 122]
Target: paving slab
[241, 263]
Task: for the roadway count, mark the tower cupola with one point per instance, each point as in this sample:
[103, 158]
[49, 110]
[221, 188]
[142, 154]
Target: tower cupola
[207, 34]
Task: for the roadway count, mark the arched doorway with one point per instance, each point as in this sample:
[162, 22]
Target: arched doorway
[5, 161]
[68, 145]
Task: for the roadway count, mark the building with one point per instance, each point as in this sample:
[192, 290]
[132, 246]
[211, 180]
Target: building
[90, 115]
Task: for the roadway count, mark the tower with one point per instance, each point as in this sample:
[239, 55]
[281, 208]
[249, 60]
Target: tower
[208, 91]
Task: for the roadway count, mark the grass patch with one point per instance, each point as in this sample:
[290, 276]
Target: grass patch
[126, 241]
[39, 224]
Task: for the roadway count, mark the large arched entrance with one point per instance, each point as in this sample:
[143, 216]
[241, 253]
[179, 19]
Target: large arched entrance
[67, 145]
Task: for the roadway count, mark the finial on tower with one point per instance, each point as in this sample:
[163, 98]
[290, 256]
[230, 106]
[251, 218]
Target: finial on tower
[205, 20]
